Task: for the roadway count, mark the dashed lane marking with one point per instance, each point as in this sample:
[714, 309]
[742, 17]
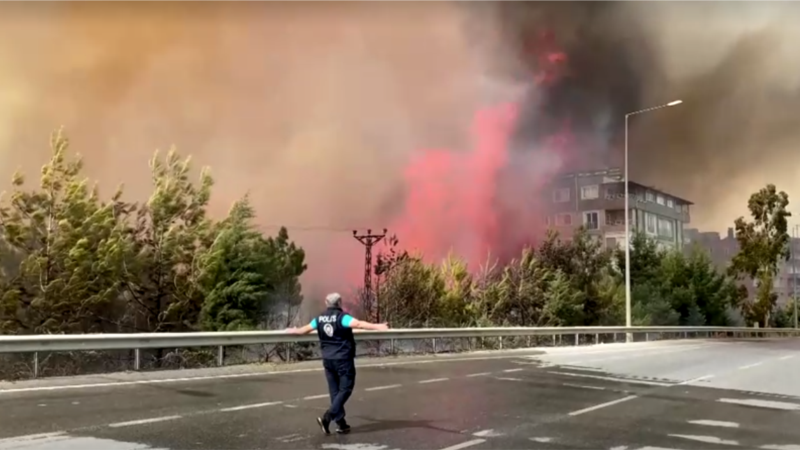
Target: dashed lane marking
[508, 379]
[750, 366]
[433, 380]
[715, 423]
[487, 433]
[603, 405]
[383, 388]
[252, 406]
[784, 358]
[143, 421]
[481, 374]
[316, 397]
[513, 370]
[706, 439]
[762, 403]
[584, 386]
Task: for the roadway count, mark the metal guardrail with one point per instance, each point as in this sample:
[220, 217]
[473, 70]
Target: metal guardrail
[88, 342]
[141, 341]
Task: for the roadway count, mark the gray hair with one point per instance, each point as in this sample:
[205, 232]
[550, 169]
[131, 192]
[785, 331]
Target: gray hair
[333, 300]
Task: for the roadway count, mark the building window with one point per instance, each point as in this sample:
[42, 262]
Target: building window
[591, 220]
[561, 195]
[665, 228]
[590, 192]
[685, 209]
[563, 220]
[670, 203]
[651, 223]
[650, 197]
[660, 199]
[611, 242]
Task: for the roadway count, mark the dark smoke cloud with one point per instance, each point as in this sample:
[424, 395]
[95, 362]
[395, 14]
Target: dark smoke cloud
[732, 63]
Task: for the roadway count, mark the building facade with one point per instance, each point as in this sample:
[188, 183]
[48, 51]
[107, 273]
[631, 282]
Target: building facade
[722, 249]
[596, 200]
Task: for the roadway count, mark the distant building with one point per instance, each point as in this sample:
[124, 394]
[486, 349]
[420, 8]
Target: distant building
[723, 249]
[596, 201]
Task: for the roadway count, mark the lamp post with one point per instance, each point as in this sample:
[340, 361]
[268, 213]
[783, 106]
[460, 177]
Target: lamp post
[792, 242]
[629, 336]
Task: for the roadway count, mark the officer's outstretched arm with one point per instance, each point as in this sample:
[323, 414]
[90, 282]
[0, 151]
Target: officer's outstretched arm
[302, 330]
[364, 325]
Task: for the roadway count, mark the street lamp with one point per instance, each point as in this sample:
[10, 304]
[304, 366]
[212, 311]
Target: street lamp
[629, 336]
[793, 255]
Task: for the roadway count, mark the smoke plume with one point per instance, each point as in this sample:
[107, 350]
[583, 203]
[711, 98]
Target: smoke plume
[318, 109]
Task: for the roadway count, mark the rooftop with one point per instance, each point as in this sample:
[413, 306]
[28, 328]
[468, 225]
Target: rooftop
[616, 175]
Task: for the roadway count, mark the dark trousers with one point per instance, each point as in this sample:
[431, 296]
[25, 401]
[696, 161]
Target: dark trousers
[341, 376]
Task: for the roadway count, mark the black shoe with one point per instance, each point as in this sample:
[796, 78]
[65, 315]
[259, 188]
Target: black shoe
[343, 428]
[325, 424]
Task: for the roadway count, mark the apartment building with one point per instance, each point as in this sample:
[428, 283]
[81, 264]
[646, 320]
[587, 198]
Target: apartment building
[596, 200]
[723, 249]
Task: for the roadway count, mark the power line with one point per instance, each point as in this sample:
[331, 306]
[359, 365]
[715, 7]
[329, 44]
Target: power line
[310, 228]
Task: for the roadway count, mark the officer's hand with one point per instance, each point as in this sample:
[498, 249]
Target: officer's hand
[383, 326]
[291, 330]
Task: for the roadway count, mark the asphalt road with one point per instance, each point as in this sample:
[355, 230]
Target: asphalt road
[667, 395]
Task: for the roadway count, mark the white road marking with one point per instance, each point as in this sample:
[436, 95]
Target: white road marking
[383, 388]
[481, 374]
[762, 403]
[543, 440]
[508, 379]
[32, 437]
[433, 380]
[143, 421]
[64, 441]
[465, 444]
[583, 386]
[355, 446]
[618, 380]
[603, 405]
[621, 447]
[715, 423]
[513, 370]
[316, 397]
[781, 447]
[706, 439]
[656, 448]
[695, 380]
[784, 358]
[750, 366]
[290, 406]
[252, 406]
[487, 433]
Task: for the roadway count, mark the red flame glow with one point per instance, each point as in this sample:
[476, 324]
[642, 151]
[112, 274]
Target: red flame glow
[451, 201]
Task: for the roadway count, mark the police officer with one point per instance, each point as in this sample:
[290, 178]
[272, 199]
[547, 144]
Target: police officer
[335, 330]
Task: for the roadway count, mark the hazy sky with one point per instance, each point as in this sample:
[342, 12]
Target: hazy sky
[315, 108]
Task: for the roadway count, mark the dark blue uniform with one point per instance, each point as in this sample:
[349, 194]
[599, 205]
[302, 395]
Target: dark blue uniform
[338, 358]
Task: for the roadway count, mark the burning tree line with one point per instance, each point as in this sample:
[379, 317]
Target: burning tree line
[75, 263]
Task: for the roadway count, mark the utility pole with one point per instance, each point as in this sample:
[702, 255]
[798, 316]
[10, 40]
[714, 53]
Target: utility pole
[794, 255]
[368, 241]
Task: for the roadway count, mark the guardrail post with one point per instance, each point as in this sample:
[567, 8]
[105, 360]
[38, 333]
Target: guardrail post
[35, 364]
[647, 337]
[597, 338]
[529, 341]
[501, 342]
[577, 341]
[220, 356]
[391, 346]
[554, 341]
[434, 346]
[136, 359]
